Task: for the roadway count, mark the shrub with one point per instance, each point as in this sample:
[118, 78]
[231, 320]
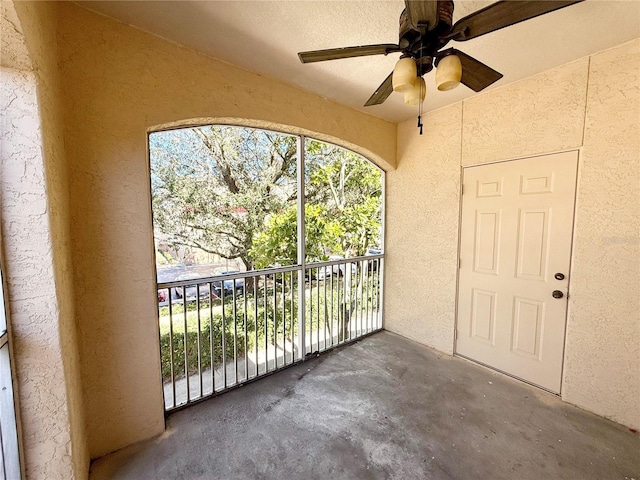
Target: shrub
[208, 338]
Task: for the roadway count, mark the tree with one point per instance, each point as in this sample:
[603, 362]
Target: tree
[278, 242]
[351, 188]
[214, 187]
[342, 210]
[231, 191]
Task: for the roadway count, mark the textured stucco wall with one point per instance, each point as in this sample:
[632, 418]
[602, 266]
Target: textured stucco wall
[34, 312]
[36, 232]
[119, 82]
[422, 230]
[602, 360]
[544, 113]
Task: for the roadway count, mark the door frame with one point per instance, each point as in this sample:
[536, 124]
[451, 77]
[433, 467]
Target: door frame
[578, 151]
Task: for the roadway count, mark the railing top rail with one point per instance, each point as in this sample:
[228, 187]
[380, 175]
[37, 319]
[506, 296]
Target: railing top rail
[264, 271]
[345, 261]
[228, 276]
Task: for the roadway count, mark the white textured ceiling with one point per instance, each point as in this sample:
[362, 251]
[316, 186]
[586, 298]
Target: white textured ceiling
[265, 36]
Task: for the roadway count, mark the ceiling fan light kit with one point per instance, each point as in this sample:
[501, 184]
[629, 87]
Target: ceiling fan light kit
[404, 74]
[426, 26]
[448, 73]
[417, 93]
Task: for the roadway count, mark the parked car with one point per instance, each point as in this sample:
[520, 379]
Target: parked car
[190, 290]
[163, 296]
[228, 285]
[338, 269]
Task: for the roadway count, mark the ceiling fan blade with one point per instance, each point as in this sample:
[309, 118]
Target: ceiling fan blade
[475, 74]
[503, 14]
[347, 52]
[422, 12]
[382, 92]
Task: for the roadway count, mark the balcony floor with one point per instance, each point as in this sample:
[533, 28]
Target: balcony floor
[383, 408]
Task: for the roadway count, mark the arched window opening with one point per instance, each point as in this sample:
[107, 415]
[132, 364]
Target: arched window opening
[268, 247]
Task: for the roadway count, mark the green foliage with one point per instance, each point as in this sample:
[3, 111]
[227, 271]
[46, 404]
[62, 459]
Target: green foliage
[231, 191]
[349, 187]
[207, 337]
[273, 324]
[278, 243]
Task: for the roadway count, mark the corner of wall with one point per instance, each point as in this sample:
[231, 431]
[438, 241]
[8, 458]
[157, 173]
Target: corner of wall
[422, 230]
[38, 23]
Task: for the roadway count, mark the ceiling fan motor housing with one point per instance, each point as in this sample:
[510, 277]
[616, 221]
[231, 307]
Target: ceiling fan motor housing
[422, 45]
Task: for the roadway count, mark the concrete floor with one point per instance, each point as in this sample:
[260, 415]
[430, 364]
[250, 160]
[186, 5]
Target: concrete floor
[384, 408]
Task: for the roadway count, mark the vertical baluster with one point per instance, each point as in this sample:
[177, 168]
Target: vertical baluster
[325, 310]
[378, 293]
[352, 301]
[279, 315]
[311, 309]
[361, 304]
[318, 309]
[266, 327]
[275, 321]
[173, 374]
[235, 330]
[284, 319]
[340, 293]
[223, 340]
[198, 339]
[212, 340]
[246, 330]
[332, 312]
[292, 336]
[356, 305]
[367, 281]
[255, 305]
[185, 337]
[356, 311]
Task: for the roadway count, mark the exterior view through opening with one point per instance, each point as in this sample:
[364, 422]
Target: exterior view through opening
[268, 247]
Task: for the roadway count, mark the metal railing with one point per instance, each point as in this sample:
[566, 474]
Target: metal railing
[220, 332]
[10, 460]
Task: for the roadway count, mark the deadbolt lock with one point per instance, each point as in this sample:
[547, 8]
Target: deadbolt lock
[559, 276]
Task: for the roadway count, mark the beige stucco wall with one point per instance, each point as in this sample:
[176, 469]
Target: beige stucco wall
[544, 113]
[592, 105]
[602, 360]
[119, 82]
[422, 230]
[34, 194]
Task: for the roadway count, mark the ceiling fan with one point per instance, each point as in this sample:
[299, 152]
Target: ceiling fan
[426, 26]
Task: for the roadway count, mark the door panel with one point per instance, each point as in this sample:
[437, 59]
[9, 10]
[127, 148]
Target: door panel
[532, 243]
[516, 230]
[483, 316]
[487, 242]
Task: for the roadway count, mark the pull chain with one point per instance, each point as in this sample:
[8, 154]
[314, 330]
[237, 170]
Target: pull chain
[420, 109]
[420, 92]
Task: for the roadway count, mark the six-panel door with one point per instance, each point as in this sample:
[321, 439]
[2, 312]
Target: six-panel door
[516, 231]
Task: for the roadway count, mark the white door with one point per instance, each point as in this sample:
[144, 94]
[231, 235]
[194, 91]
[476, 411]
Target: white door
[515, 248]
